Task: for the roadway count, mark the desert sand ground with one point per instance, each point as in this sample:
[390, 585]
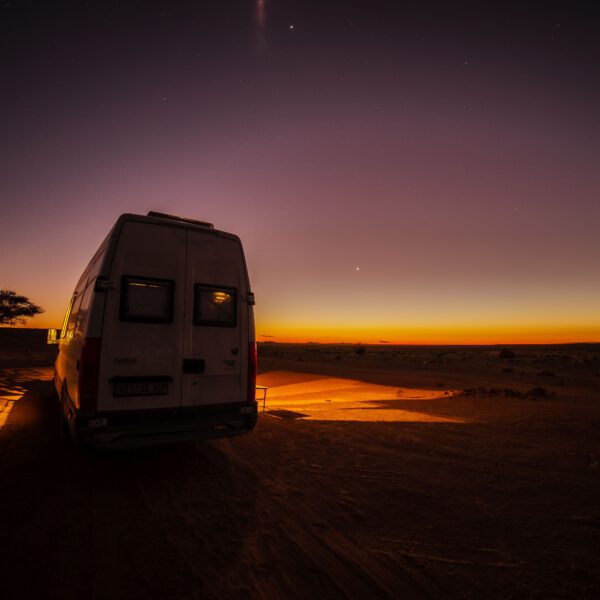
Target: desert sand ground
[401, 472]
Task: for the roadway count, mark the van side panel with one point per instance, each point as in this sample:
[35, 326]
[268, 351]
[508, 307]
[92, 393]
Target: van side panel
[138, 348]
[84, 309]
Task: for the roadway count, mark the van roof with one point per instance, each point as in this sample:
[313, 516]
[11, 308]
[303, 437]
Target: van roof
[159, 218]
[160, 215]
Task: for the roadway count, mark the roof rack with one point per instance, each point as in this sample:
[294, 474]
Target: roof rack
[160, 215]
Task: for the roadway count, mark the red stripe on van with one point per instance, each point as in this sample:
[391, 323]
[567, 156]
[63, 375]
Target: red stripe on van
[88, 374]
[252, 368]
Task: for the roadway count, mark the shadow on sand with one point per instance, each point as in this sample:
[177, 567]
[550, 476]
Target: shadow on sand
[168, 521]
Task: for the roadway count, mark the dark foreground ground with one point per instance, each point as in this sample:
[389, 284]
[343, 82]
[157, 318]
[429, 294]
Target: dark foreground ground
[501, 500]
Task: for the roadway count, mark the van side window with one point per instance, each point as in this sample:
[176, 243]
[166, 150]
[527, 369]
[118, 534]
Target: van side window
[63, 331]
[146, 300]
[84, 305]
[215, 306]
[73, 316]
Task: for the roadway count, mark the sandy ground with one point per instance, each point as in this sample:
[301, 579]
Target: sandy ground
[397, 472]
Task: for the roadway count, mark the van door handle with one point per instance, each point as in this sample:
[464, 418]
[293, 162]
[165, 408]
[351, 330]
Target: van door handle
[193, 365]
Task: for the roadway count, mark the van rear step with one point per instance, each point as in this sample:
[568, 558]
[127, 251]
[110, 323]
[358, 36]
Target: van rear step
[127, 428]
[128, 440]
[167, 416]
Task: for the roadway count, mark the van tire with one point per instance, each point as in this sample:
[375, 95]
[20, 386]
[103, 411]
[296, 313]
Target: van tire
[251, 421]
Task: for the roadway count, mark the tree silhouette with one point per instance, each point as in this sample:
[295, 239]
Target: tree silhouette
[15, 309]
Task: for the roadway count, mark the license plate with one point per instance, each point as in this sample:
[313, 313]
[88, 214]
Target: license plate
[153, 388]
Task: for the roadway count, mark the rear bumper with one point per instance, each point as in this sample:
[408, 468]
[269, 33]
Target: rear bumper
[134, 429]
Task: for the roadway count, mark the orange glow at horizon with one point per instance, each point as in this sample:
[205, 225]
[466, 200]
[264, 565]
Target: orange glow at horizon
[515, 331]
[460, 334]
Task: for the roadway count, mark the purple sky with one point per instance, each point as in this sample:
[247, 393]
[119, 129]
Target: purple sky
[450, 155]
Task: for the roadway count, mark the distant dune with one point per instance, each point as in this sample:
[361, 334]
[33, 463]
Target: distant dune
[25, 347]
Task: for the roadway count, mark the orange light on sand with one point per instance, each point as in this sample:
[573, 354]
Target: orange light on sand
[5, 408]
[8, 397]
[11, 391]
[319, 398]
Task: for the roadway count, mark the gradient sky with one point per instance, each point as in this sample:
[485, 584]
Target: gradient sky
[410, 174]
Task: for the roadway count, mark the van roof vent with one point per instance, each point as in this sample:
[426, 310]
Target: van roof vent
[180, 219]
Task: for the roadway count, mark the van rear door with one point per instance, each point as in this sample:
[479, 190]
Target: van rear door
[216, 326]
[141, 356]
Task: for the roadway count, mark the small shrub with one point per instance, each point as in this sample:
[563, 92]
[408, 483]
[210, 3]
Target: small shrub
[538, 392]
[474, 392]
[360, 350]
[506, 353]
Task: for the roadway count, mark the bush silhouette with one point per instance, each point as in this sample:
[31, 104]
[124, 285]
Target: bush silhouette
[15, 309]
[538, 392]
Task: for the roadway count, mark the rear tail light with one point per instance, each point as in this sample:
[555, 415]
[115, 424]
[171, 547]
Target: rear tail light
[88, 374]
[252, 367]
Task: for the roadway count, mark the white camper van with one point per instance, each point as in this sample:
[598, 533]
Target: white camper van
[158, 341]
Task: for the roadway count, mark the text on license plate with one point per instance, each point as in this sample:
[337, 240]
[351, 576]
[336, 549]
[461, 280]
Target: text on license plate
[141, 388]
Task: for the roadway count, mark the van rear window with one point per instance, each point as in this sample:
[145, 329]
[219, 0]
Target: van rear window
[215, 306]
[146, 300]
